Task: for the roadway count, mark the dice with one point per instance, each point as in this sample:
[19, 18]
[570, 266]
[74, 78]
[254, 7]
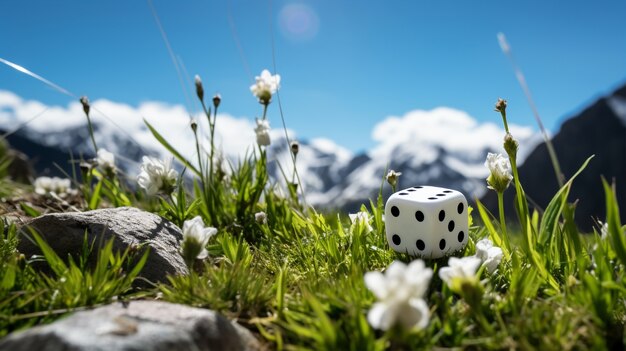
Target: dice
[426, 221]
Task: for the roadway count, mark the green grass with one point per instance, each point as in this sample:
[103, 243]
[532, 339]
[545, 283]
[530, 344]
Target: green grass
[297, 280]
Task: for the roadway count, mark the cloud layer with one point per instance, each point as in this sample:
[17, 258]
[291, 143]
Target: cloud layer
[234, 135]
[420, 132]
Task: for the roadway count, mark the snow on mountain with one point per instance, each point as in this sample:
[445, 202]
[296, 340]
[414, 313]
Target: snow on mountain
[443, 146]
[320, 165]
[618, 104]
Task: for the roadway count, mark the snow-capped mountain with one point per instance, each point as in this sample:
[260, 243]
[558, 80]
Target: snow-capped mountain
[443, 147]
[59, 152]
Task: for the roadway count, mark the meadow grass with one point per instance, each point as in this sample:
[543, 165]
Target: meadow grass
[295, 276]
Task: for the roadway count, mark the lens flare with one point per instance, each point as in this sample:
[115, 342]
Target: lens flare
[298, 22]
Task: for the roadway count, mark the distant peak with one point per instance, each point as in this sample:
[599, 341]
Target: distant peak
[620, 92]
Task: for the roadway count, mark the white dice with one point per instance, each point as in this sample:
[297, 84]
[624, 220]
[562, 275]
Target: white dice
[426, 221]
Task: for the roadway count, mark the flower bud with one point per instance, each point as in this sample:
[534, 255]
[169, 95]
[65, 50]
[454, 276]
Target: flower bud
[501, 105]
[295, 147]
[194, 125]
[86, 166]
[262, 131]
[510, 145]
[392, 177]
[260, 217]
[216, 100]
[199, 88]
[85, 102]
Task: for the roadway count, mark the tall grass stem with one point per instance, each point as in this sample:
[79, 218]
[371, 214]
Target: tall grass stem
[506, 49]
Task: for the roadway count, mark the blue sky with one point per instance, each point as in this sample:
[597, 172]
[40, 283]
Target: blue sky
[354, 64]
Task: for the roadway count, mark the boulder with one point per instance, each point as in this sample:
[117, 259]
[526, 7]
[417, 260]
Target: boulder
[127, 226]
[140, 325]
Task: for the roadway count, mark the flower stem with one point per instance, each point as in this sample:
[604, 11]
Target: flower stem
[293, 175]
[506, 124]
[93, 140]
[502, 220]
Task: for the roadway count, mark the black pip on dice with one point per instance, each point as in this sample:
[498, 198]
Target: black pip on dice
[426, 221]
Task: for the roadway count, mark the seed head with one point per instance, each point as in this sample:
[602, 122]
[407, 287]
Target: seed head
[216, 100]
[501, 105]
[295, 147]
[194, 125]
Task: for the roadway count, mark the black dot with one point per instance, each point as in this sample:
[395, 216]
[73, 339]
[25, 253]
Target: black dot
[460, 207]
[432, 198]
[451, 226]
[403, 193]
[417, 187]
[447, 191]
[461, 236]
[395, 211]
[442, 215]
[396, 239]
[420, 245]
[442, 244]
[419, 216]
[411, 190]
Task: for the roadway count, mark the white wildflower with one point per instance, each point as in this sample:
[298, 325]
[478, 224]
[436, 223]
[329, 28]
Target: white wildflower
[459, 269]
[490, 255]
[266, 85]
[260, 217]
[400, 291]
[59, 186]
[361, 218]
[392, 177]
[500, 172]
[157, 176]
[195, 238]
[106, 160]
[262, 131]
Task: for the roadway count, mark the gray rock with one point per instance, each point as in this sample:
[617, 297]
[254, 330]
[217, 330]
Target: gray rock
[142, 325]
[129, 227]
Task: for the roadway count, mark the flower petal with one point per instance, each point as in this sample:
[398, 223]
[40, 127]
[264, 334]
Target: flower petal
[382, 316]
[375, 282]
[415, 315]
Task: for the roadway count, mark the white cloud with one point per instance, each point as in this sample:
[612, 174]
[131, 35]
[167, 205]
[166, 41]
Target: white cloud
[234, 135]
[420, 132]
